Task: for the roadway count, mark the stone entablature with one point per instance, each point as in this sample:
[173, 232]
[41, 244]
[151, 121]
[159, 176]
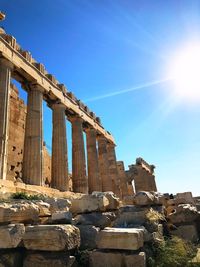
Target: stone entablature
[29, 70]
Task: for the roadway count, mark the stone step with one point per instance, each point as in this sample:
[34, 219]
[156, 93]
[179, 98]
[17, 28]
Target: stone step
[120, 238]
[51, 237]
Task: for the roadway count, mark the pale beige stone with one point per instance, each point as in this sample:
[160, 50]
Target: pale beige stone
[89, 203]
[19, 212]
[11, 235]
[120, 238]
[144, 198]
[114, 201]
[51, 237]
[116, 259]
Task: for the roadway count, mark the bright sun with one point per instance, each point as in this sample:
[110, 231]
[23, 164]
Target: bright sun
[185, 72]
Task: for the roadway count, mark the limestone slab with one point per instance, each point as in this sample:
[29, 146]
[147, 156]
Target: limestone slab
[116, 259]
[11, 235]
[98, 219]
[51, 237]
[120, 238]
[48, 260]
[89, 203]
[18, 212]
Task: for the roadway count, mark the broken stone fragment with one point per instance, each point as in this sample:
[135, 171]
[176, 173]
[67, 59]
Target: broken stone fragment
[144, 198]
[120, 238]
[51, 237]
[184, 213]
[19, 212]
[100, 258]
[58, 204]
[114, 202]
[11, 235]
[98, 219]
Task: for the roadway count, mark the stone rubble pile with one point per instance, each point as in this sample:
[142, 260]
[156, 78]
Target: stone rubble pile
[58, 231]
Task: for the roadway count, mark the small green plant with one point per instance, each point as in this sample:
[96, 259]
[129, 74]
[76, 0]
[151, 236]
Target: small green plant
[174, 252]
[23, 195]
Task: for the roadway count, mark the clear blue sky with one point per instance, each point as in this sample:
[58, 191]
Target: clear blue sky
[100, 47]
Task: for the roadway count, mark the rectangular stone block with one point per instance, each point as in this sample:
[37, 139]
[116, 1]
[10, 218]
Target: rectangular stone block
[51, 237]
[120, 238]
[46, 259]
[11, 235]
[116, 259]
[18, 212]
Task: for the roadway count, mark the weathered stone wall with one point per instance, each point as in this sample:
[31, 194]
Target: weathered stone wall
[16, 135]
[16, 140]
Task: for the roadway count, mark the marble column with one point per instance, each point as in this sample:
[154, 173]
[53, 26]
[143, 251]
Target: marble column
[104, 164]
[94, 181]
[123, 179]
[113, 169]
[79, 178]
[59, 177]
[5, 75]
[33, 142]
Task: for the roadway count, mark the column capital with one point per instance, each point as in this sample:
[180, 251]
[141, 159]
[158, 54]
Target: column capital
[31, 86]
[6, 63]
[90, 128]
[56, 105]
[75, 117]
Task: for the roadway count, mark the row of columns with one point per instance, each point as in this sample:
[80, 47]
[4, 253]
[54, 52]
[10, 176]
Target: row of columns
[101, 161]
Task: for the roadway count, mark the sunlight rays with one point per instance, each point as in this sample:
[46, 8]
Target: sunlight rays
[137, 87]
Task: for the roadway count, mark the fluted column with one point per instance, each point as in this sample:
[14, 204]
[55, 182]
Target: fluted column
[79, 178]
[5, 75]
[33, 142]
[94, 181]
[123, 179]
[59, 178]
[113, 168]
[104, 164]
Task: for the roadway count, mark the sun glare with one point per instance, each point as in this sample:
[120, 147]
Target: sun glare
[185, 72]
